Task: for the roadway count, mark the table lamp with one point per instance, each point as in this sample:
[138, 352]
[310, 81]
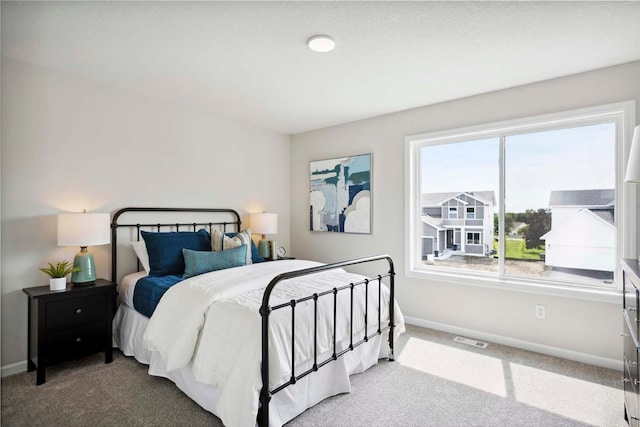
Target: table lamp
[633, 164]
[264, 223]
[83, 229]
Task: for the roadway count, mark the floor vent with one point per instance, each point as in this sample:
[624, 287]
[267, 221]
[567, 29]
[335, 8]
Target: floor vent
[471, 342]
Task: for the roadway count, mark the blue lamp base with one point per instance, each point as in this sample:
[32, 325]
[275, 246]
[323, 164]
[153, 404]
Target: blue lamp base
[87, 274]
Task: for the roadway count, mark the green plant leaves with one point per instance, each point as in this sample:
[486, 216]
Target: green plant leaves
[61, 269]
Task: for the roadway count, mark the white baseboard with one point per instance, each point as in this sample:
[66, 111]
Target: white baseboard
[525, 345]
[14, 368]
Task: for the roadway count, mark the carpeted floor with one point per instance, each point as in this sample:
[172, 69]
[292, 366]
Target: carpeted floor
[434, 382]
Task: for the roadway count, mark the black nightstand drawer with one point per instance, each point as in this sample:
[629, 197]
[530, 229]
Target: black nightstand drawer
[73, 311]
[67, 344]
[631, 302]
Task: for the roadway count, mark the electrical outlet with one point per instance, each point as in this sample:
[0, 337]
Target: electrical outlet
[541, 312]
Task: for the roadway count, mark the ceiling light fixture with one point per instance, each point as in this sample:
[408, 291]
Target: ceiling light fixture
[321, 43]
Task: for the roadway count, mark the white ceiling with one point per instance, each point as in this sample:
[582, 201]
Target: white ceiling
[249, 61]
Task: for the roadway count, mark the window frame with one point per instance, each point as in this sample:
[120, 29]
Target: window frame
[453, 209]
[622, 113]
[479, 233]
[473, 211]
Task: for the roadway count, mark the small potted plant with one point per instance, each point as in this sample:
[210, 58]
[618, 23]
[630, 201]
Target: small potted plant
[58, 274]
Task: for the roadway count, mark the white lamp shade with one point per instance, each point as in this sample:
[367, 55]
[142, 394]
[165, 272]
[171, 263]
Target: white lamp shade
[264, 223]
[83, 229]
[633, 165]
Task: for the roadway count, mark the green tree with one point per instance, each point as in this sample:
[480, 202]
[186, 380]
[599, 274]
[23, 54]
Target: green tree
[538, 223]
[508, 222]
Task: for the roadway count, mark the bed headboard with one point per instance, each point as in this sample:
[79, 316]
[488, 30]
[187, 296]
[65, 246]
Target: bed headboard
[128, 222]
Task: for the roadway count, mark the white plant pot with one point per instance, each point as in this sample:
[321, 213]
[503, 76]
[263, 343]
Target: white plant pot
[58, 283]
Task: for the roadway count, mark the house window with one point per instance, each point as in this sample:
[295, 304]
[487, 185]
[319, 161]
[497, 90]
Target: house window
[473, 238]
[549, 189]
[453, 213]
[471, 213]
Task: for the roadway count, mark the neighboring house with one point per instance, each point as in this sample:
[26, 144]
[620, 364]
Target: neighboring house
[583, 230]
[516, 230]
[458, 222]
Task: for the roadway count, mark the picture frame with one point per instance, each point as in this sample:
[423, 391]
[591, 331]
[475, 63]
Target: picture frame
[340, 194]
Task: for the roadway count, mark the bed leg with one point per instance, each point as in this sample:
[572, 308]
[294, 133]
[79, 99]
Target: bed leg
[392, 316]
[391, 357]
[265, 393]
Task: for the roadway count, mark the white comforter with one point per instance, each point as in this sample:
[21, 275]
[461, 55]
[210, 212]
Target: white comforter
[212, 321]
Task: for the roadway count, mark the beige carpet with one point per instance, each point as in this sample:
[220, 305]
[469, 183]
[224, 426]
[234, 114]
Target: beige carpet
[434, 382]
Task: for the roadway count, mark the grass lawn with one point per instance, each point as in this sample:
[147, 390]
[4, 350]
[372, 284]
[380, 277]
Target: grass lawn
[516, 249]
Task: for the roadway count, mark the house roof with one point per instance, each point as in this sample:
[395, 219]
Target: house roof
[436, 199]
[606, 214]
[597, 214]
[434, 222]
[599, 197]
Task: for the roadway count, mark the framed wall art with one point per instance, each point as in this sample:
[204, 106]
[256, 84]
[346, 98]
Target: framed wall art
[340, 194]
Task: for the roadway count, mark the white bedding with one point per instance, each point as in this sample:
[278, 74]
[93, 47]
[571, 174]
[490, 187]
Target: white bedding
[191, 332]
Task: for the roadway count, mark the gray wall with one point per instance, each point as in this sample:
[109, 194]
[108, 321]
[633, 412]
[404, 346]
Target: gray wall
[574, 325]
[70, 144]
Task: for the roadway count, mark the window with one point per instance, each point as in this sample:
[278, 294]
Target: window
[543, 199]
[473, 238]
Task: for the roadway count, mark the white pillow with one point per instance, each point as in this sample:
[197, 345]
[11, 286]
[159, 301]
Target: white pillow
[140, 249]
[221, 242]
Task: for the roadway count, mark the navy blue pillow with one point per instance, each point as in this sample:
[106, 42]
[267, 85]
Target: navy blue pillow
[165, 250]
[200, 262]
[255, 255]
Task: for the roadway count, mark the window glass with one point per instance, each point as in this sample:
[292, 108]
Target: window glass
[454, 178]
[473, 238]
[559, 204]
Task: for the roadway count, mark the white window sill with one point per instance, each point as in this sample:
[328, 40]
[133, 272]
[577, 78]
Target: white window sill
[610, 296]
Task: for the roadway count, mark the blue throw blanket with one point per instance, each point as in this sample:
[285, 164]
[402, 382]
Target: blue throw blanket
[149, 290]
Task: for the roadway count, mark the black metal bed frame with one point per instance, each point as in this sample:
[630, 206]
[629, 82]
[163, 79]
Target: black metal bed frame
[266, 309]
[159, 226]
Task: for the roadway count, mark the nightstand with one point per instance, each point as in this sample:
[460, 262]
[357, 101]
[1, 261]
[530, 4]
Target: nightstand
[631, 346]
[68, 324]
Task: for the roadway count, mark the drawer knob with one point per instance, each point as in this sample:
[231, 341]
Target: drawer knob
[625, 380]
[78, 339]
[624, 335]
[78, 311]
[631, 308]
[633, 363]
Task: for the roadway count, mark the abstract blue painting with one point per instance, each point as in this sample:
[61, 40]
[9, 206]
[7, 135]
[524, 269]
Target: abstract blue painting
[340, 194]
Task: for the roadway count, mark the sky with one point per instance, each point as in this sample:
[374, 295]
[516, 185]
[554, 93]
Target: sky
[580, 158]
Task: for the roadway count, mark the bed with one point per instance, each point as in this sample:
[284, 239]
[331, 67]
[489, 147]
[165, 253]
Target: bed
[257, 342]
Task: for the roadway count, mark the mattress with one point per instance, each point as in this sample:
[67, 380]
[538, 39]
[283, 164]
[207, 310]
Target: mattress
[127, 287]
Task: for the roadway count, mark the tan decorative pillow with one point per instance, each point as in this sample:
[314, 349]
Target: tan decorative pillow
[221, 242]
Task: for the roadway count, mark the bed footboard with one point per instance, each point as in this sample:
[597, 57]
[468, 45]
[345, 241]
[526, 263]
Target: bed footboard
[266, 309]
